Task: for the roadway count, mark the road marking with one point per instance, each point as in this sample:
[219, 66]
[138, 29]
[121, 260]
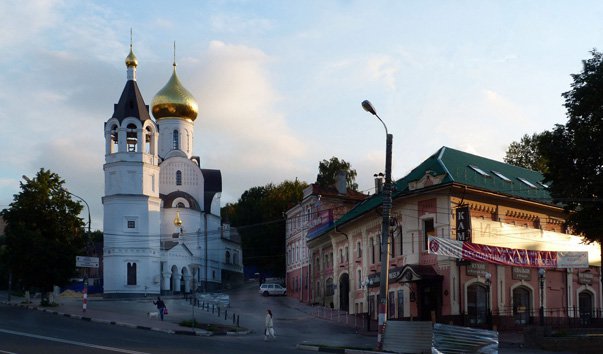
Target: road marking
[66, 341]
[2, 351]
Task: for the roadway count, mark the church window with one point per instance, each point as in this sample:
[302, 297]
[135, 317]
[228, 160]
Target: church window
[175, 142]
[178, 178]
[148, 141]
[131, 224]
[131, 137]
[131, 273]
[114, 139]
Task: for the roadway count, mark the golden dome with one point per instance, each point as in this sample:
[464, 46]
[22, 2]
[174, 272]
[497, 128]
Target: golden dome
[177, 220]
[131, 59]
[174, 101]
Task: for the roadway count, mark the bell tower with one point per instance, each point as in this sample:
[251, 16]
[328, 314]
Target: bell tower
[131, 200]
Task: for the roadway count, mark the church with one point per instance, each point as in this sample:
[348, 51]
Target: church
[163, 233]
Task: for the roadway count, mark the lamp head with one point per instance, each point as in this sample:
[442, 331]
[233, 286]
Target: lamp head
[541, 272]
[366, 104]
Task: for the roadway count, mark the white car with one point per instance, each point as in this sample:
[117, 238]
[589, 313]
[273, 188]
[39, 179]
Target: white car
[267, 289]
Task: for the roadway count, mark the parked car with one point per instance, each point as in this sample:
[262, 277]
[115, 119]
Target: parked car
[267, 289]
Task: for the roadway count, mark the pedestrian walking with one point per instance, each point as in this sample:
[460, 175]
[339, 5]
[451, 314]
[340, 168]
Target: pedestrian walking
[269, 326]
[160, 307]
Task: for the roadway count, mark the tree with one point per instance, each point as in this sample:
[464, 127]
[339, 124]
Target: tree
[573, 152]
[259, 218]
[328, 170]
[526, 153]
[43, 233]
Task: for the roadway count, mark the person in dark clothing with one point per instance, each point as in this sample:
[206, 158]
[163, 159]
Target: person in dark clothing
[160, 306]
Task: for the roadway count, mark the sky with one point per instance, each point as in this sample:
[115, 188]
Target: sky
[280, 83]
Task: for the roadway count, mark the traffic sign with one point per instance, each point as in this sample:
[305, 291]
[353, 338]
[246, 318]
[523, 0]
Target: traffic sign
[86, 262]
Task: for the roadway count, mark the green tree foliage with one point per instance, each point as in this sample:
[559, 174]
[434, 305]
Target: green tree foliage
[259, 217]
[526, 153]
[43, 233]
[573, 152]
[328, 170]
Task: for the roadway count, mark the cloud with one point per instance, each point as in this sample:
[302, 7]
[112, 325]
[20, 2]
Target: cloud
[240, 130]
[383, 68]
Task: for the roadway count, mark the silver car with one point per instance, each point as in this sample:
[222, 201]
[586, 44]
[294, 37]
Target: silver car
[267, 289]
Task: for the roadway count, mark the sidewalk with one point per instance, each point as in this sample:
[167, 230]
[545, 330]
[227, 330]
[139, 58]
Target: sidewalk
[133, 313]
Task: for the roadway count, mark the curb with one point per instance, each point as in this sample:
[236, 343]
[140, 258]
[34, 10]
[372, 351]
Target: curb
[317, 348]
[197, 332]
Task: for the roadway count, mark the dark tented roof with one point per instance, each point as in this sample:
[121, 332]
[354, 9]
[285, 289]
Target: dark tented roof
[131, 104]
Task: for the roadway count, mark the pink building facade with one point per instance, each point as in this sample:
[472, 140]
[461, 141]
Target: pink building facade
[507, 207]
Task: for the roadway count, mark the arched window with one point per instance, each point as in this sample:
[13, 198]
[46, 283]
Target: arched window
[131, 273]
[148, 140]
[521, 305]
[178, 178]
[476, 304]
[227, 257]
[180, 205]
[175, 142]
[131, 137]
[114, 139]
[235, 258]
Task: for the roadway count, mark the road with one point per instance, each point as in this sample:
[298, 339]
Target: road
[25, 331]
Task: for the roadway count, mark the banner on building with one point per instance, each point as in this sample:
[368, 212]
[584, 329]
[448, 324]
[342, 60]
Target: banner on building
[319, 223]
[463, 224]
[506, 256]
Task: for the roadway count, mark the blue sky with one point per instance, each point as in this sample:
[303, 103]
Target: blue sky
[279, 83]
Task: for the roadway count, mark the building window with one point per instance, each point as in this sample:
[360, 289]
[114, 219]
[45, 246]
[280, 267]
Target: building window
[178, 178]
[175, 142]
[428, 230]
[235, 258]
[131, 224]
[372, 251]
[131, 137]
[476, 304]
[131, 273]
[227, 256]
[359, 280]
[359, 249]
[213, 274]
[340, 255]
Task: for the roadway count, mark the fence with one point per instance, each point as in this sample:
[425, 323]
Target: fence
[359, 322]
[216, 303]
[507, 318]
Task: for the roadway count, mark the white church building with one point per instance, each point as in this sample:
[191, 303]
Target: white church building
[163, 233]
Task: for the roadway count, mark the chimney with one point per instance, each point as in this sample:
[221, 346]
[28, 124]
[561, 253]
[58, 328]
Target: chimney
[378, 183]
[341, 183]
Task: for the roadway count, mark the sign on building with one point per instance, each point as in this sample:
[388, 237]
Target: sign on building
[476, 269]
[463, 224]
[520, 273]
[86, 262]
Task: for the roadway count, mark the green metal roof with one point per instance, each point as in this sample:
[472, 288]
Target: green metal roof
[464, 169]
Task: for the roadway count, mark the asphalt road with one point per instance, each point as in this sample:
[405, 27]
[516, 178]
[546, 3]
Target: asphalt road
[29, 331]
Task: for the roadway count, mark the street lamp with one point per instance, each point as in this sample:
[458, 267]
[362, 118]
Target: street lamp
[387, 204]
[488, 277]
[541, 278]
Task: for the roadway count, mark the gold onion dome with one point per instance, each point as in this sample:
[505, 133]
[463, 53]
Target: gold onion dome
[177, 220]
[131, 59]
[174, 101]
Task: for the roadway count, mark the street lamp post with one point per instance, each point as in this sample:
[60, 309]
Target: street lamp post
[85, 290]
[488, 309]
[387, 204]
[541, 279]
